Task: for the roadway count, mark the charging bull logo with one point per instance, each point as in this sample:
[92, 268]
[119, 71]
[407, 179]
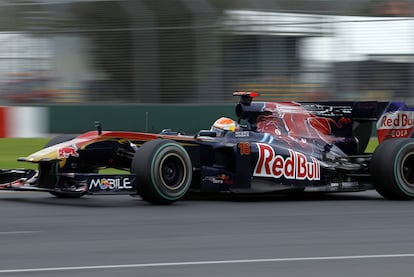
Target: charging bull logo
[399, 124]
[68, 151]
[292, 123]
[295, 166]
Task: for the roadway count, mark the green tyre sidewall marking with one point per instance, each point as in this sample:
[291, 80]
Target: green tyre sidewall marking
[154, 160]
[397, 170]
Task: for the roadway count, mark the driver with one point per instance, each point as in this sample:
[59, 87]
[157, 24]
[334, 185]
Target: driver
[223, 125]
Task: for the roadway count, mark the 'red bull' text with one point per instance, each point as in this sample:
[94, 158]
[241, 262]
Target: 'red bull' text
[295, 166]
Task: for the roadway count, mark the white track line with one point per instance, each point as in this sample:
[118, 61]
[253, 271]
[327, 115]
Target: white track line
[17, 232]
[70, 268]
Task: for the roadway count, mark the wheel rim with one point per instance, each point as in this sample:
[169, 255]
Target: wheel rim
[407, 170]
[172, 172]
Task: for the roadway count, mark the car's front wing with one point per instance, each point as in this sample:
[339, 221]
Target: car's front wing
[91, 183]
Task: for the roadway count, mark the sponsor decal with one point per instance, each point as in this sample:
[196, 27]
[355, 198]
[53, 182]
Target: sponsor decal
[292, 123]
[242, 134]
[219, 179]
[68, 151]
[296, 166]
[397, 124]
[401, 119]
[111, 183]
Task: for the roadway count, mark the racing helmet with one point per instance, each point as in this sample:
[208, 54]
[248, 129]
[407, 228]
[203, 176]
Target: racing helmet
[223, 125]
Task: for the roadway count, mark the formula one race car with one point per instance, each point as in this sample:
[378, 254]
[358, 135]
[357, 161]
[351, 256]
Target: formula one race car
[275, 147]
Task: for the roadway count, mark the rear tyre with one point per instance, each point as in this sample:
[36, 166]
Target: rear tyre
[56, 140]
[164, 171]
[392, 169]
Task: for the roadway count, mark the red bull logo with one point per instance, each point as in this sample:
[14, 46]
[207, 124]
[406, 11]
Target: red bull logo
[395, 125]
[396, 120]
[295, 166]
[291, 121]
[68, 151]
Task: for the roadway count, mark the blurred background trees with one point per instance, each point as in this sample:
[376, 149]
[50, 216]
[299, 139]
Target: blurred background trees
[193, 51]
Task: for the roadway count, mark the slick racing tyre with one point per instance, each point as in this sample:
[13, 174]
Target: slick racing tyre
[53, 141]
[392, 169]
[164, 171]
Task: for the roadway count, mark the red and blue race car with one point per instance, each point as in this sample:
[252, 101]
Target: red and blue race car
[276, 147]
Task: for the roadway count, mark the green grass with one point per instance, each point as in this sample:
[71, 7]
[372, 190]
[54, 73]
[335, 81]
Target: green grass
[373, 143]
[13, 148]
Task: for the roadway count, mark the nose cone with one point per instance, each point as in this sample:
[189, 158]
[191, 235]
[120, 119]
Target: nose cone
[55, 152]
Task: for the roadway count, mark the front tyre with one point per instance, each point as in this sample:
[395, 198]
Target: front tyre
[164, 171]
[392, 169]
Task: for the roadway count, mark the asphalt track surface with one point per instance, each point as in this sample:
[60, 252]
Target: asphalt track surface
[356, 234]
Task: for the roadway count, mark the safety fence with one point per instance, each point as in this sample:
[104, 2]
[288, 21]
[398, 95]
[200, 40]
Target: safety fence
[200, 51]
